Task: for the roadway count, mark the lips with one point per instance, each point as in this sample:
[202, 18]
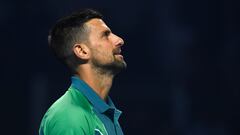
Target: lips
[117, 52]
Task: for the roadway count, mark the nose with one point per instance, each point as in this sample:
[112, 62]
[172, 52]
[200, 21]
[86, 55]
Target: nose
[119, 41]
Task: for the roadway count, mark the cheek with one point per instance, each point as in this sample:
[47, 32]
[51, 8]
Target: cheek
[103, 51]
[107, 56]
[103, 54]
[106, 49]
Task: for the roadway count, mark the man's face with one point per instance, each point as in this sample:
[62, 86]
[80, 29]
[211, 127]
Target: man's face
[105, 47]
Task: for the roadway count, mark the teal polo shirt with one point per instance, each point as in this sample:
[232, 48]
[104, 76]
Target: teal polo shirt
[80, 111]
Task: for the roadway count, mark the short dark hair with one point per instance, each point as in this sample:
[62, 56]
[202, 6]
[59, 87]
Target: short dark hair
[70, 30]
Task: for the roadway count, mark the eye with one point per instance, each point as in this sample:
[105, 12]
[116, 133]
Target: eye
[106, 33]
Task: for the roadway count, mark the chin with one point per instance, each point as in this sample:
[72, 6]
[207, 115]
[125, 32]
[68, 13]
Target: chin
[120, 65]
[113, 67]
[116, 67]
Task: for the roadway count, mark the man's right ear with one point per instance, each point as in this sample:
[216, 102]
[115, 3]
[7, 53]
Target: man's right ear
[81, 51]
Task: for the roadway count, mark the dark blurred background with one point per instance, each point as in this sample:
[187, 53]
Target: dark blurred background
[183, 60]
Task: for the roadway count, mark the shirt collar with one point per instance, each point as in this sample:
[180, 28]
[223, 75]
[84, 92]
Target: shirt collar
[98, 104]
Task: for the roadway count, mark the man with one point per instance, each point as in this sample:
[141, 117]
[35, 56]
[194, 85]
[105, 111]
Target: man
[93, 53]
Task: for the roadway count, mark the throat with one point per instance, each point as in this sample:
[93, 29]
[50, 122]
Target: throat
[102, 86]
[99, 82]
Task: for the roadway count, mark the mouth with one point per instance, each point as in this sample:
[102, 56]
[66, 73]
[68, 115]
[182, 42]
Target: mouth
[117, 52]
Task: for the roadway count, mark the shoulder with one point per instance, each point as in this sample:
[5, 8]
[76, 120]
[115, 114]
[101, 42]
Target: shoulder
[65, 117]
[63, 122]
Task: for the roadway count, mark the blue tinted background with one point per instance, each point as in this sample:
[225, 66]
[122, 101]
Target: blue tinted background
[183, 64]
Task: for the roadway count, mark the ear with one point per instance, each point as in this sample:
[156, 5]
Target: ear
[81, 51]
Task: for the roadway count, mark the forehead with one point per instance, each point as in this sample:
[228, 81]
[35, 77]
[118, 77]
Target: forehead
[97, 25]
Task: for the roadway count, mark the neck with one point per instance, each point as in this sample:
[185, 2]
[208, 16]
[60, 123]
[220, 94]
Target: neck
[100, 82]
